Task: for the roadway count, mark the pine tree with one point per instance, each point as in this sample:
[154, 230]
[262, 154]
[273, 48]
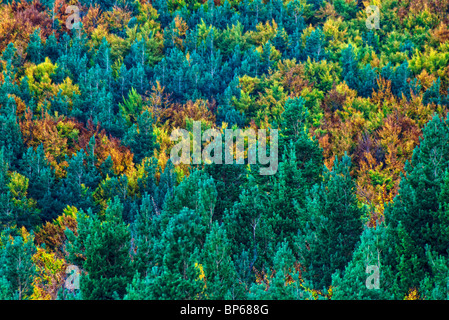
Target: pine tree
[315, 46]
[285, 284]
[248, 229]
[16, 208]
[228, 180]
[327, 242]
[167, 182]
[398, 77]
[432, 95]
[288, 192]
[366, 277]
[105, 245]
[36, 47]
[178, 276]
[294, 134]
[72, 189]
[140, 137]
[416, 219]
[51, 48]
[348, 63]
[16, 265]
[367, 81]
[252, 63]
[280, 41]
[219, 269]
[93, 176]
[10, 134]
[145, 236]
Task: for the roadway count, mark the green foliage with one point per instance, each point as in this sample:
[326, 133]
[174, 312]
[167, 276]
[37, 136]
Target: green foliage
[417, 219]
[104, 244]
[141, 138]
[286, 283]
[86, 118]
[16, 267]
[328, 240]
[358, 281]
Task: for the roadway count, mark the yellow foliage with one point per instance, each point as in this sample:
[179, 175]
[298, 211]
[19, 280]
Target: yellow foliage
[50, 275]
[263, 33]
[18, 185]
[333, 30]
[412, 295]
[39, 81]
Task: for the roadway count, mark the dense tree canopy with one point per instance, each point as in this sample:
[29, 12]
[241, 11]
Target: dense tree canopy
[359, 117]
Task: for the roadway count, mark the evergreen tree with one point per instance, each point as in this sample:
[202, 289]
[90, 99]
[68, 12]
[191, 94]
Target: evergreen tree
[417, 217]
[36, 47]
[73, 189]
[17, 269]
[315, 46]
[328, 241]
[105, 246]
[280, 41]
[288, 191]
[146, 235]
[294, 135]
[228, 180]
[348, 63]
[140, 137]
[219, 270]
[248, 229]
[432, 95]
[178, 275]
[366, 277]
[16, 209]
[42, 185]
[285, 284]
[398, 77]
[51, 48]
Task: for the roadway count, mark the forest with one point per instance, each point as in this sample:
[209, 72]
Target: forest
[93, 207]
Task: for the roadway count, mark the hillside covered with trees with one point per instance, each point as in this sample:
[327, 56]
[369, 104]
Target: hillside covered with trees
[90, 92]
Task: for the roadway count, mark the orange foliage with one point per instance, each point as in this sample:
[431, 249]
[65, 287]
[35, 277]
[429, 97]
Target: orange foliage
[175, 116]
[61, 137]
[18, 22]
[52, 234]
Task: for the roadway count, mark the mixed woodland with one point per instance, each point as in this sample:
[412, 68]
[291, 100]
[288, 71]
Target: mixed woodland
[88, 105]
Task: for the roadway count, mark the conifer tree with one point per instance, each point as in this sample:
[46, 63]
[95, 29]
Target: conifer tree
[141, 138]
[36, 47]
[315, 46]
[367, 276]
[16, 266]
[178, 274]
[219, 269]
[432, 95]
[104, 245]
[73, 189]
[42, 185]
[145, 234]
[16, 208]
[285, 284]
[328, 241]
[248, 229]
[294, 134]
[416, 219]
[348, 63]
